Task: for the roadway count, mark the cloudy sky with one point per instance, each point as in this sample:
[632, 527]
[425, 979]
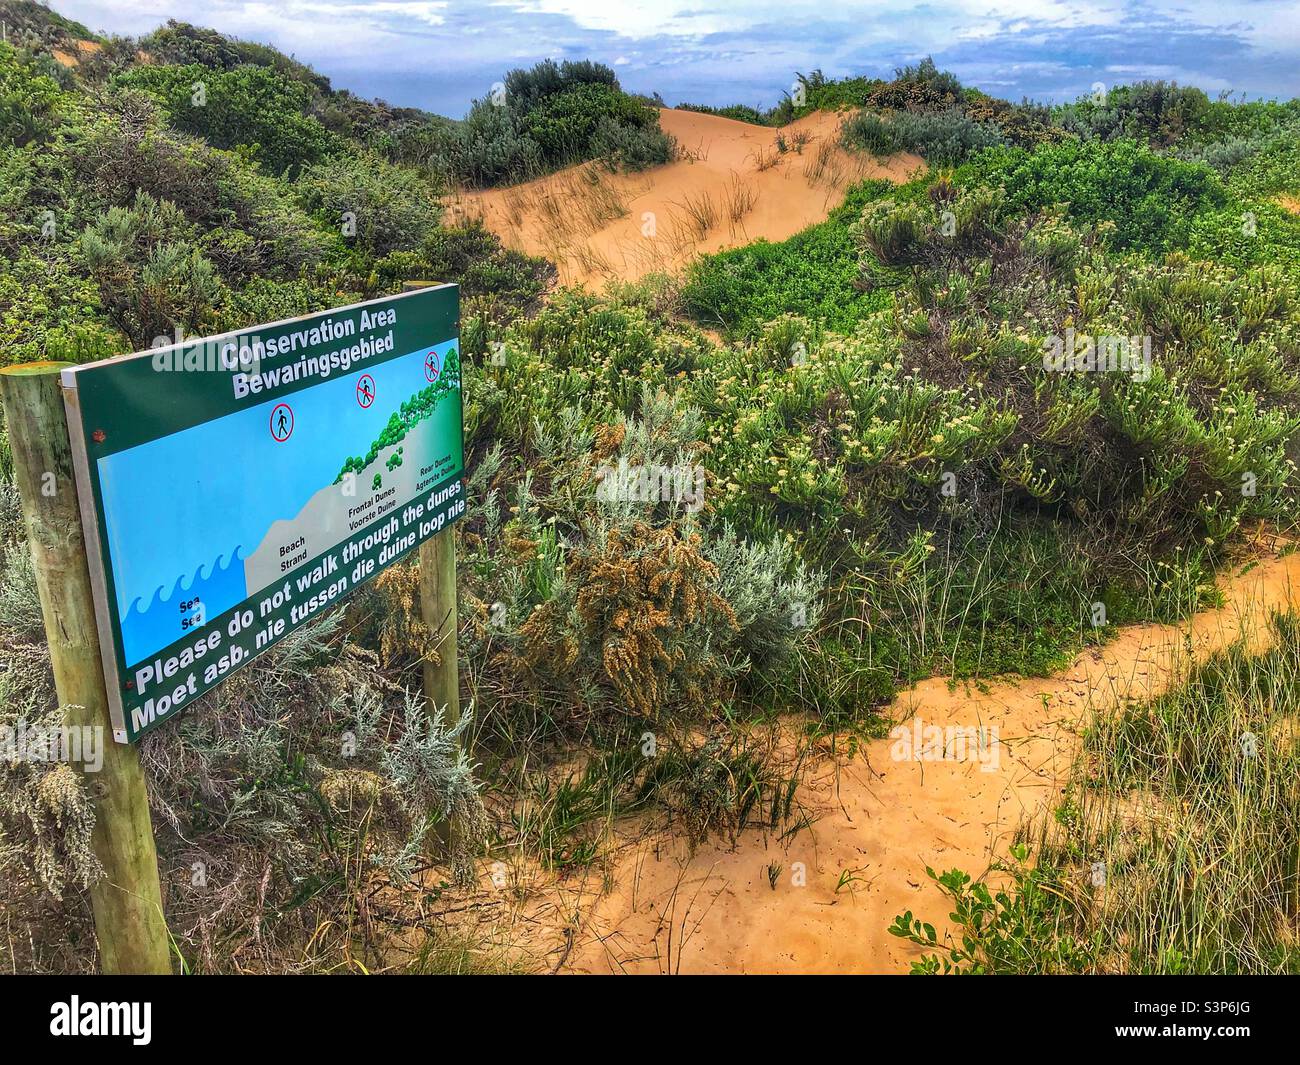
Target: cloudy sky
[440, 54]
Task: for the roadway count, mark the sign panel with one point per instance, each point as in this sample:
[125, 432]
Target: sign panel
[233, 488]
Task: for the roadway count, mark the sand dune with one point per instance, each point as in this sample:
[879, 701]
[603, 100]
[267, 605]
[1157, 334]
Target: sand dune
[733, 185]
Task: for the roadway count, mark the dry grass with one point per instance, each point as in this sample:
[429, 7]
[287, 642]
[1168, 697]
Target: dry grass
[516, 203]
[599, 200]
[1188, 804]
[569, 206]
[698, 154]
[831, 166]
[700, 214]
[827, 166]
[591, 262]
[765, 159]
[738, 198]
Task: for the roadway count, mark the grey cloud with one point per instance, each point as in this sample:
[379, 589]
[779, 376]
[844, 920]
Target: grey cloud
[442, 67]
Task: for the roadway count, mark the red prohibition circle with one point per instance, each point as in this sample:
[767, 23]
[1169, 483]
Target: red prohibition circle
[281, 422]
[431, 367]
[366, 390]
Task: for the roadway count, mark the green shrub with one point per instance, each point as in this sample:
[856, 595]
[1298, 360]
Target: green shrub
[249, 222]
[550, 116]
[266, 299]
[1150, 199]
[44, 305]
[813, 274]
[151, 278]
[1273, 168]
[1225, 155]
[390, 208]
[625, 146]
[249, 107]
[1026, 124]
[487, 148]
[1022, 929]
[1213, 405]
[32, 21]
[581, 353]
[819, 93]
[1246, 234]
[1158, 113]
[29, 101]
[868, 131]
[920, 88]
[563, 124]
[833, 94]
[499, 281]
[528, 89]
[944, 138]
[182, 44]
[736, 112]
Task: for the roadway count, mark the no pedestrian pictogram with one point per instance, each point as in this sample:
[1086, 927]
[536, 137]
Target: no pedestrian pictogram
[366, 390]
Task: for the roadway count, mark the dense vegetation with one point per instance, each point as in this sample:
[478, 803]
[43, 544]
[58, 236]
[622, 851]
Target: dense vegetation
[874, 476]
[921, 109]
[130, 213]
[545, 118]
[814, 274]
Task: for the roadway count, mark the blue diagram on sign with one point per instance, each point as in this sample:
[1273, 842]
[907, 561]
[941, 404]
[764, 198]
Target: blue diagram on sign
[246, 473]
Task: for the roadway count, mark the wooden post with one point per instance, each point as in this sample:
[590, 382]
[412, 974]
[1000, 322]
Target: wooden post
[438, 611]
[127, 900]
[438, 608]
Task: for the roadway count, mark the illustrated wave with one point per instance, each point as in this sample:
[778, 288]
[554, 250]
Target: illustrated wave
[209, 591]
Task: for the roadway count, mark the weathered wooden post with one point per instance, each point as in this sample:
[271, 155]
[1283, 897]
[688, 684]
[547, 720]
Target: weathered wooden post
[127, 900]
[438, 610]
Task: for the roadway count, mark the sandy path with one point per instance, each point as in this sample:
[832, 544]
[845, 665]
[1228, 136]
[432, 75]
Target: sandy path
[882, 821]
[733, 186]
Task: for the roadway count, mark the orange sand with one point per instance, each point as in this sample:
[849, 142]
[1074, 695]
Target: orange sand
[732, 186]
[78, 51]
